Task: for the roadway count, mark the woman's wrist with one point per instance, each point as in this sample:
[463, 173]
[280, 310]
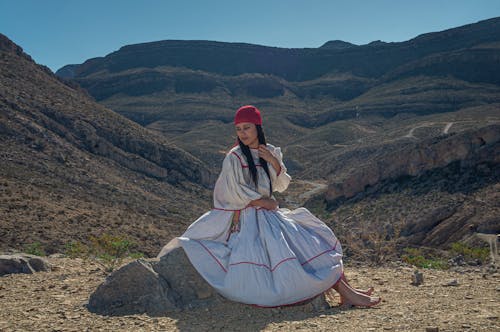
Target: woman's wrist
[276, 164]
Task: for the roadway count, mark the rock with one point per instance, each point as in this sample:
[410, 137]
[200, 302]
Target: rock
[190, 288]
[316, 304]
[453, 282]
[132, 289]
[153, 287]
[417, 278]
[432, 329]
[22, 263]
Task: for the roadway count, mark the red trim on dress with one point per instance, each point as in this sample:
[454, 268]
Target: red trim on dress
[241, 162]
[230, 210]
[208, 250]
[264, 265]
[324, 252]
[301, 301]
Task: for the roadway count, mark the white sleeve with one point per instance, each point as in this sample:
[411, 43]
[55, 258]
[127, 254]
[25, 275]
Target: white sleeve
[231, 192]
[280, 180]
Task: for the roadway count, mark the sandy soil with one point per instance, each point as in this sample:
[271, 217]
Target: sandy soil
[55, 301]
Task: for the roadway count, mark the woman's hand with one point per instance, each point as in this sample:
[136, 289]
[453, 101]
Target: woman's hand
[265, 154]
[265, 203]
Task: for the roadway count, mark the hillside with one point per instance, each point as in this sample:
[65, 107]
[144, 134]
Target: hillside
[188, 90]
[71, 169]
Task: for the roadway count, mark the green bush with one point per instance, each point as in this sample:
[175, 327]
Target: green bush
[34, 248]
[415, 257]
[76, 249]
[470, 253]
[108, 250]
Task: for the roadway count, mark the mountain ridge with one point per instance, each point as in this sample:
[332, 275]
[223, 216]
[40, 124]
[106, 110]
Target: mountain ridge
[294, 64]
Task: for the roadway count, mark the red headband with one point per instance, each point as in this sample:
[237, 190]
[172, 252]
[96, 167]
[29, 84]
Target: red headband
[248, 113]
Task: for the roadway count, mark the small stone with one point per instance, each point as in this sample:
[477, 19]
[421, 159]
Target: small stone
[417, 278]
[453, 282]
[432, 329]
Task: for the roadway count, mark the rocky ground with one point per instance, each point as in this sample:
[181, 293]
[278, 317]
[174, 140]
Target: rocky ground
[464, 299]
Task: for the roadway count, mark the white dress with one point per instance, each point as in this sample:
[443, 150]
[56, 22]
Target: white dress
[265, 258]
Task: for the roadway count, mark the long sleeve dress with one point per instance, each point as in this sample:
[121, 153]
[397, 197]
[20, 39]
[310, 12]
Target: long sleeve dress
[258, 256]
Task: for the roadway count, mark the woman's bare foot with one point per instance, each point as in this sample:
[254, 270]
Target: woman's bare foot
[364, 301]
[368, 292]
[349, 296]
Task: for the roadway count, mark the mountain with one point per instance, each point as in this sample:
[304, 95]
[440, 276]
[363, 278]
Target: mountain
[371, 60]
[72, 169]
[371, 123]
[184, 88]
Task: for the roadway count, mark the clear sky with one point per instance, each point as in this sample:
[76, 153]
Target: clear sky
[60, 32]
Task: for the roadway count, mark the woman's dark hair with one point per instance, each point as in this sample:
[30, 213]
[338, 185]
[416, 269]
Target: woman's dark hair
[251, 165]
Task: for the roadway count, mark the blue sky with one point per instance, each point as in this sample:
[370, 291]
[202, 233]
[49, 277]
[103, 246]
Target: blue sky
[60, 32]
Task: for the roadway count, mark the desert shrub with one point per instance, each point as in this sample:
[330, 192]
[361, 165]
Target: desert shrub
[76, 249]
[34, 248]
[414, 256]
[108, 250]
[470, 253]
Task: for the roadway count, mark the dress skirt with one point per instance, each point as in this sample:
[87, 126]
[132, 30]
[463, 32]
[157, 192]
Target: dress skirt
[265, 258]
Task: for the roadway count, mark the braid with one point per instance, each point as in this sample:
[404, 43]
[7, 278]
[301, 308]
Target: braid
[262, 140]
[251, 165]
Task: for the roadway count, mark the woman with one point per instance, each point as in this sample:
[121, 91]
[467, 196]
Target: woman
[251, 251]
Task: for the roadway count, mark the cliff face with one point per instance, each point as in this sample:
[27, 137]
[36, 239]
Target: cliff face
[469, 148]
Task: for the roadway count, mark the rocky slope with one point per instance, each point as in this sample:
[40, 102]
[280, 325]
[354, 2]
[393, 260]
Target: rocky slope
[71, 168]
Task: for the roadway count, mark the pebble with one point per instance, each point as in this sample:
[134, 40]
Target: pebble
[453, 282]
[432, 329]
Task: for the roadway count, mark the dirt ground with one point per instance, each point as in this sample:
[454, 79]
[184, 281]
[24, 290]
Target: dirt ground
[56, 301]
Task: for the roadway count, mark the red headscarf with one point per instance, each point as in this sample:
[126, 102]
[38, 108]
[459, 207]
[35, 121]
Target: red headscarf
[248, 113]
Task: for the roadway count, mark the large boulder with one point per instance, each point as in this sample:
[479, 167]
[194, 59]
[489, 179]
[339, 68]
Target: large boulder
[22, 263]
[153, 286]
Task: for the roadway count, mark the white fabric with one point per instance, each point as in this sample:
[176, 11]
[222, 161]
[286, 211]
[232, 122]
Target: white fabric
[277, 257]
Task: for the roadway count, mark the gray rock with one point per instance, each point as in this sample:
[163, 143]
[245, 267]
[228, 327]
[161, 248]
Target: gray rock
[153, 287]
[134, 288]
[417, 278]
[191, 288]
[22, 263]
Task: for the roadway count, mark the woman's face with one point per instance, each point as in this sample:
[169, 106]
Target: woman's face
[247, 133]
